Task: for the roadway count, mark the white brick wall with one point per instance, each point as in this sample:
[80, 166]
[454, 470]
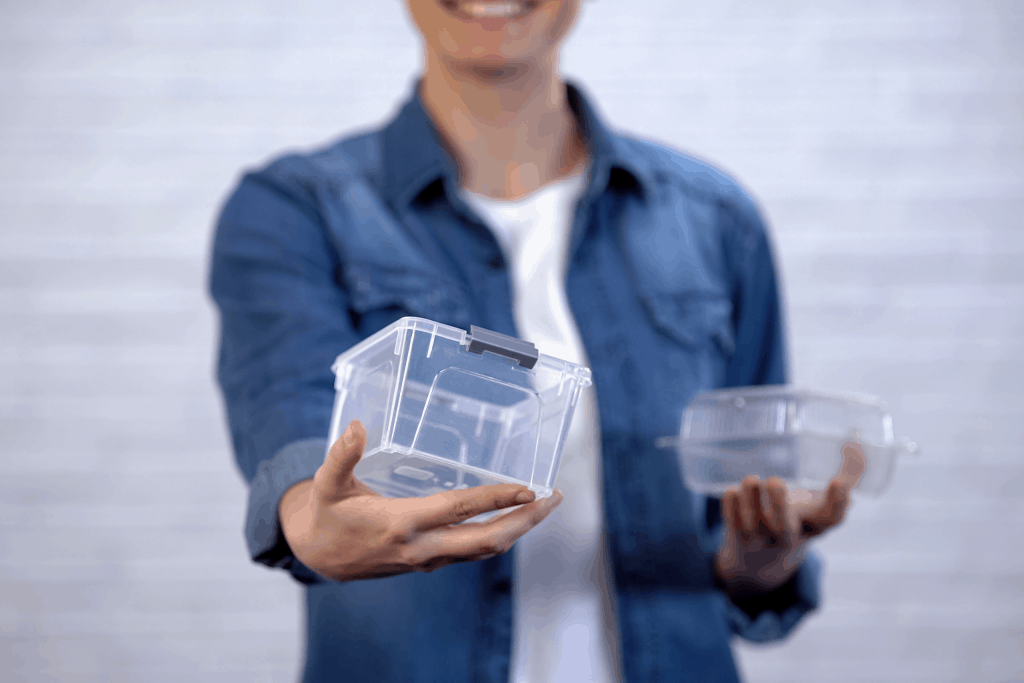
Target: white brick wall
[884, 140]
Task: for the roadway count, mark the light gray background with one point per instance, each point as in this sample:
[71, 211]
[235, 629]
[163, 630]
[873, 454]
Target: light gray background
[883, 138]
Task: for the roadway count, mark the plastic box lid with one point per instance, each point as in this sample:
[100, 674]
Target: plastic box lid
[793, 433]
[444, 409]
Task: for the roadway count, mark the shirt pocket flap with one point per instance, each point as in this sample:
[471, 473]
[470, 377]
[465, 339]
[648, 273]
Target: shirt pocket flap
[694, 318]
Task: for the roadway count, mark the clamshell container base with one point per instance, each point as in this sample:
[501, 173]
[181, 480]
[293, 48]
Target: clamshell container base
[795, 434]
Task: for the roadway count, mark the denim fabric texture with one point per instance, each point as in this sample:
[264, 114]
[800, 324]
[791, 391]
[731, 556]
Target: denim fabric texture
[672, 283]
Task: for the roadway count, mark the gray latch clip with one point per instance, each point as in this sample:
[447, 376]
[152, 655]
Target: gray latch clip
[523, 352]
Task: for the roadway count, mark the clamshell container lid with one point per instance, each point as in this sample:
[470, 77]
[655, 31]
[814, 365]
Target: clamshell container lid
[793, 433]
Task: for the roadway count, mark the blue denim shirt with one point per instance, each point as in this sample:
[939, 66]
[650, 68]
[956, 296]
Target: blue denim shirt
[672, 285]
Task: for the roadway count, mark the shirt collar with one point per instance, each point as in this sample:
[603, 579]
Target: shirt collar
[414, 157]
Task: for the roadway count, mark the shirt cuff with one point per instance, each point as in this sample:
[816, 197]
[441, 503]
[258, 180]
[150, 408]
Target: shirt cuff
[295, 462]
[773, 616]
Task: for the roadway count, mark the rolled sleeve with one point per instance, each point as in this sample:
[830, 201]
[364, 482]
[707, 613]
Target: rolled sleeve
[774, 616]
[294, 463]
[283, 320]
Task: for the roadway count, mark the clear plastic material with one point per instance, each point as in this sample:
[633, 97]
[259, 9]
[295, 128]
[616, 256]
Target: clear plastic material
[795, 434]
[440, 417]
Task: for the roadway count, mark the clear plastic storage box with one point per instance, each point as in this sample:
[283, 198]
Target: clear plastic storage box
[444, 409]
[795, 434]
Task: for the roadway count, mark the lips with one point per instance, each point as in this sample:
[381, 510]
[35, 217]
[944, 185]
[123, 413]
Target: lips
[480, 9]
[492, 10]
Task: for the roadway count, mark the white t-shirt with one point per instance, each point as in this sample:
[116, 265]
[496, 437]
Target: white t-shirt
[564, 621]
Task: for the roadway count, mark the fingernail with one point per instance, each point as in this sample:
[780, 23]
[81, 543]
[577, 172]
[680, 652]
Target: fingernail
[525, 497]
[346, 438]
[555, 498]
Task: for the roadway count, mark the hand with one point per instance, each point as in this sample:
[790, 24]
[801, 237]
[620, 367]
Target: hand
[343, 530]
[767, 527]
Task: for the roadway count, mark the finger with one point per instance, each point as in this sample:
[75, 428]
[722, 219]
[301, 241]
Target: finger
[452, 507]
[737, 512]
[730, 510]
[480, 540]
[750, 503]
[853, 465]
[435, 564]
[830, 508]
[828, 512]
[334, 478]
[778, 502]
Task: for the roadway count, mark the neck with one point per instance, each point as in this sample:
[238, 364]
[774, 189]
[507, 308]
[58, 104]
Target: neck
[509, 127]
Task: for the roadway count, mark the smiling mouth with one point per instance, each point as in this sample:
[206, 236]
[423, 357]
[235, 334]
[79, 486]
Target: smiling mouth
[480, 9]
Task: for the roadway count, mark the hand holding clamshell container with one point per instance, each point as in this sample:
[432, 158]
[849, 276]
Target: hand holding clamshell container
[445, 410]
[795, 434]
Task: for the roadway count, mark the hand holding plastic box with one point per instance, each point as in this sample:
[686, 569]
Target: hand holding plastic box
[446, 410]
[781, 431]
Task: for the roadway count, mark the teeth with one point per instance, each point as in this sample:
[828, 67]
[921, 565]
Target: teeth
[492, 10]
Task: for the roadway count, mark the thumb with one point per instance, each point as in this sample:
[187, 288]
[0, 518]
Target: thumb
[853, 465]
[831, 507]
[334, 478]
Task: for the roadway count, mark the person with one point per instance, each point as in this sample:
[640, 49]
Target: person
[498, 197]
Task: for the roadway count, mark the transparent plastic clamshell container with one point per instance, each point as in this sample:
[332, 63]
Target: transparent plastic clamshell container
[795, 434]
[444, 409]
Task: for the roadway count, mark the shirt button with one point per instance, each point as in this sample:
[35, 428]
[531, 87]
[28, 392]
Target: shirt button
[496, 263]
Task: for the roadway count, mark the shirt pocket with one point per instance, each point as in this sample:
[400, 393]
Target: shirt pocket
[697, 320]
[376, 288]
